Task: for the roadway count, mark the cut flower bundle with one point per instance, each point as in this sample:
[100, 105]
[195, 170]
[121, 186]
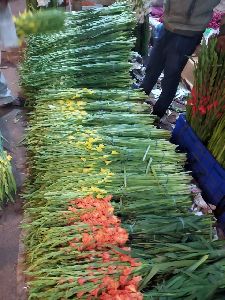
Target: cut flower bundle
[7, 181]
[46, 21]
[99, 171]
[206, 108]
[93, 43]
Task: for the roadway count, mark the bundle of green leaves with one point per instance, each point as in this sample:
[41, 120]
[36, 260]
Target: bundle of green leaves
[7, 181]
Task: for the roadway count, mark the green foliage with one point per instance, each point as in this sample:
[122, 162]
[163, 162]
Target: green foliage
[7, 181]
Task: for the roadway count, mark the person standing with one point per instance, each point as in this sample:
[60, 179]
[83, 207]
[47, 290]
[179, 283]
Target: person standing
[8, 39]
[184, 24]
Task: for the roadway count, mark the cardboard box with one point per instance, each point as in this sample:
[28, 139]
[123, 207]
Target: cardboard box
[188, 72]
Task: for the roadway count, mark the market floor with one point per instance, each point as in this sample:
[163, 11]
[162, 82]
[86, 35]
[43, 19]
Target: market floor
[12, 125]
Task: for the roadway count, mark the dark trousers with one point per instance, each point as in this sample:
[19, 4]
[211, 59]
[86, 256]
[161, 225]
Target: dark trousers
[170, 53]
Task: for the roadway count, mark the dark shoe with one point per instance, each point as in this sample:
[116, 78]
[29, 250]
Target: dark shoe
[163, 123]
[156, 123]
[19, 102]
[172, 117]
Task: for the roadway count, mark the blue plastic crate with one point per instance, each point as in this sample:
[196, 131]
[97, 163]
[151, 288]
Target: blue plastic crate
[206, 170]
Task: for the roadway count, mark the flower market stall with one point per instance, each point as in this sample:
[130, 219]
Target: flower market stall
[107, 212]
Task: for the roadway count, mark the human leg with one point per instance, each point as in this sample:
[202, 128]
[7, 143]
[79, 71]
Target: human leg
[178, 51]
[156, 63]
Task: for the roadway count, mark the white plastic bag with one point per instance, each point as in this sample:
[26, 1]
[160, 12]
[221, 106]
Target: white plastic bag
[8, 37]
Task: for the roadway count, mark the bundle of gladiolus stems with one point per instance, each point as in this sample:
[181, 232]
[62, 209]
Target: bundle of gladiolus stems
[7, 181]
[43, 21]
[92, 43]
[206, 108]
[107, 210]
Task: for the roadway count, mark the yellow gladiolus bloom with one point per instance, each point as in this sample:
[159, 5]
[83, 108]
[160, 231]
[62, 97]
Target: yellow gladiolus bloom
[9, 157]
[114, 152]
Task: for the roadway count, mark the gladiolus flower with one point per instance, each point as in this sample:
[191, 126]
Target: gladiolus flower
[80, 295]
[131, 288]
[127, 271]
[86, 239]
[123, 279]
[106, 257]
[94, 292]
[80, 281]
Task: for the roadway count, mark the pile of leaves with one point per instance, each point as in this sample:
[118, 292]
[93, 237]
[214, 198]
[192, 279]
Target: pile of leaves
[206, 109]
[99, 170]
[7, 181]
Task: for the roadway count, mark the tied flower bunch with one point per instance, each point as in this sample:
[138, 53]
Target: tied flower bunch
[7, 181]
[106, 233]
[105, 227]
[88, 255]
[78, 56]
[44, 21]
[206, 108]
